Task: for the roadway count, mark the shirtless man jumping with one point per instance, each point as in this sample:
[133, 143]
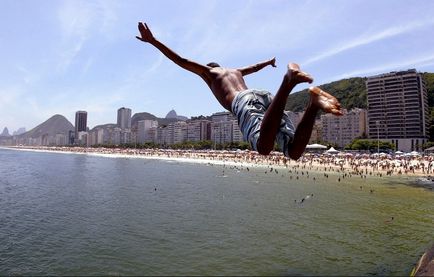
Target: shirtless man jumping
[261, 116]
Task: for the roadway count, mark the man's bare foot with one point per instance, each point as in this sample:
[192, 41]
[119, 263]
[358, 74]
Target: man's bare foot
[296, 76]
[326, 102]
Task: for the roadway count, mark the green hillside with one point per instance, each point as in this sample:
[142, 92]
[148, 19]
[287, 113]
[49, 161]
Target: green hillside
[350, 92]
[429, 80]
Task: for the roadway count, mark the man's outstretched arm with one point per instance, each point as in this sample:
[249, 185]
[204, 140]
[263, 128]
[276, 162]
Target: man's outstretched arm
[253, 68]
[146, 36]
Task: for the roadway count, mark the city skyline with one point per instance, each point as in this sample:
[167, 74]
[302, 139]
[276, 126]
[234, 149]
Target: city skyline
[393, 100]
[59, 57]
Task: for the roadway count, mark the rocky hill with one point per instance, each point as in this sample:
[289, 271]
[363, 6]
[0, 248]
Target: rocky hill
[147, 116]
[57, 124]
[105, 126]
[172, 114]
[5, 133]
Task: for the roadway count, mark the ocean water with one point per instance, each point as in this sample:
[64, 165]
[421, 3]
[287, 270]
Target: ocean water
[71, 214]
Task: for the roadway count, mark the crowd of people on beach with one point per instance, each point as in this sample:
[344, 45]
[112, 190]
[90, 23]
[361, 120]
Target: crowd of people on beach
[346, 163]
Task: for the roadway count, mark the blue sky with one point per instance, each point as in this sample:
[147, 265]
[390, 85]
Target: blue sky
[58, 57]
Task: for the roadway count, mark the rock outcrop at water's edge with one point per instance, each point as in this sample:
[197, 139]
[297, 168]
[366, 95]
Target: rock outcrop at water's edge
[425, 265]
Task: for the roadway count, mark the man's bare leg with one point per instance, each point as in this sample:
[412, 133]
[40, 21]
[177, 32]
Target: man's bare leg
[273, 116]
[319, 100]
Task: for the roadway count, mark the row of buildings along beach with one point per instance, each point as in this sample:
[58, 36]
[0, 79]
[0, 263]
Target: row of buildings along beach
[397, 112]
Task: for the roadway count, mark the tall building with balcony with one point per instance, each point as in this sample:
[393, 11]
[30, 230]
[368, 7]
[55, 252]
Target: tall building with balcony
[198, 130]
[398, 109]
[161, 135]
[316, 135]
[143, 130]
[224, 128]
[342, 130]
[80, 124]
[124, 118]
[179, 131]
[175, 132]
[124, 123]
[221, 132]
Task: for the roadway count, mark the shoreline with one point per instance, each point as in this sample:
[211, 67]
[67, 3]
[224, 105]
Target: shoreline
[360, 164]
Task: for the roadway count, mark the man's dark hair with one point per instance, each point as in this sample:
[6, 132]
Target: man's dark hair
[213, 64]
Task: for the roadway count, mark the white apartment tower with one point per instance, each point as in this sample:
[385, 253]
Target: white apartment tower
[143, 130]
[224, 128]
[398, 109]
[344, 129]
[197, 130]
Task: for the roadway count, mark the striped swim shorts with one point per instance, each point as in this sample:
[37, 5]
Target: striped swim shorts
[249, 107]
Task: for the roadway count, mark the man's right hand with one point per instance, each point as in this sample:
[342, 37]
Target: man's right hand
[145, 33]
[273, 62]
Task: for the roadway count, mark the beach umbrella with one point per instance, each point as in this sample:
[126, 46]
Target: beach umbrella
[332, 151]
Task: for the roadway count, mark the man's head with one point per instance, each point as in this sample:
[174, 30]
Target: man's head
[213, 64]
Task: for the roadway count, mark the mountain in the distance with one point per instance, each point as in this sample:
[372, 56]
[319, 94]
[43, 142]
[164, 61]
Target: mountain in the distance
[57, 124]
[104, 126]
[173, 114]
[20, 131]
[147, 116]
[5, 133]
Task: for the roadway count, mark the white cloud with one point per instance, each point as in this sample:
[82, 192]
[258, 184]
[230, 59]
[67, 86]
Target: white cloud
[79, 21]
[151, 69]
[9, 96]
[415, 62]
[367, 39]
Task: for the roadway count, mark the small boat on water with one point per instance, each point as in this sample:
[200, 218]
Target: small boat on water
[425, 265]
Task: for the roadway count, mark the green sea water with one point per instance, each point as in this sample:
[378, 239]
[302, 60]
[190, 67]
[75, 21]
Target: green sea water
[69, 214]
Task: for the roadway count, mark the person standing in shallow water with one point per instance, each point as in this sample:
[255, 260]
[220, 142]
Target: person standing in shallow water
[261, 116]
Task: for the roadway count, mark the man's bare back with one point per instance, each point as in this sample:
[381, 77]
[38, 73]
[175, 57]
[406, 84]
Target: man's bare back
[225, 84]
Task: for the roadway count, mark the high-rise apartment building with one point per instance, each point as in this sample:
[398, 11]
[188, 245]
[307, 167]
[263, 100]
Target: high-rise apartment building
[143, 130]
[175, 132]
[80, 124]
[179, 132]
[124, 118]
[398, 109]
[224, 128]
[342, 130]
[198, 130]
[316, 135]
[221, 131]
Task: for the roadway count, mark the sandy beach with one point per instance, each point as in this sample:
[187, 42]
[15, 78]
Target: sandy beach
[343, 163]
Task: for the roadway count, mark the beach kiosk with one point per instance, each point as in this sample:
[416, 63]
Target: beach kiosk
[315, 148]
